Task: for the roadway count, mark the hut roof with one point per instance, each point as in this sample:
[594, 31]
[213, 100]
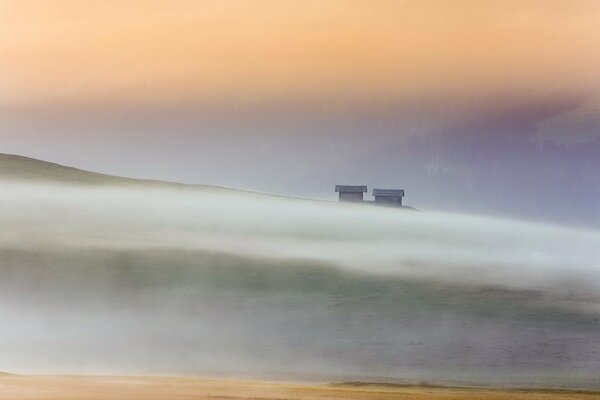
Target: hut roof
[350, 189]
[388, 192]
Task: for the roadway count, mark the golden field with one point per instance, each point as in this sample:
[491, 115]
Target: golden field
[14, 387]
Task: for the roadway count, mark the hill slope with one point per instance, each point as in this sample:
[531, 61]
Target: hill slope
[20, 168]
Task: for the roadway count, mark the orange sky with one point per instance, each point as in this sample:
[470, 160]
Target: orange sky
[171, 50]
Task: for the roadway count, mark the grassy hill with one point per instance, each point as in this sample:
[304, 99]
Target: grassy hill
[19, 168]
[25, 169]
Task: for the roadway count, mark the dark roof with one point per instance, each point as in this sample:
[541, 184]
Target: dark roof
[351, 189]
[388, 192]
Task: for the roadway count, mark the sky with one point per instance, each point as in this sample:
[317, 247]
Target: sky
[481, 107]
[114, 51]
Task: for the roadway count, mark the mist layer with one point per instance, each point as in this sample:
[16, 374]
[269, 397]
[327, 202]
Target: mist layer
[157, 280]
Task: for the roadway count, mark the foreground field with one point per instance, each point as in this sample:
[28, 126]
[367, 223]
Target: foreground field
[165, 388]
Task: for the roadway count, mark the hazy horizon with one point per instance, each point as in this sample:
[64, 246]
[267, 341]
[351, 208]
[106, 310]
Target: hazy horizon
[477, 107]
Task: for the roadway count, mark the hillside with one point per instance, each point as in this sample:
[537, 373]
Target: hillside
[20, 168]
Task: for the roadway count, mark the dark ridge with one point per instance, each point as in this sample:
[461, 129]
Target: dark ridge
[365, 384]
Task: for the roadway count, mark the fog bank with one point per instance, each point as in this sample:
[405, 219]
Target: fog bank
[372, 240]
[153, 280]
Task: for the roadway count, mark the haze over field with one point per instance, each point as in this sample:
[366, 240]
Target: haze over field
[118, 276]
[209, 239]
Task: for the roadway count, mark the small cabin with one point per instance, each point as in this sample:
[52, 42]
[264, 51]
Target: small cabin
[351, 193]
[388, 197]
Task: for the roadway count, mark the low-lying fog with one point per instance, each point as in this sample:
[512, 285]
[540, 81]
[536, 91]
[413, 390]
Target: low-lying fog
[199, 281]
